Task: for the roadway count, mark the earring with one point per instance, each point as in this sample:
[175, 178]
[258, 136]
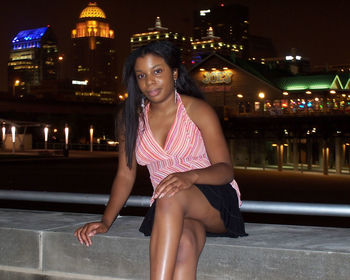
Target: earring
[175, 91]
[143, 102]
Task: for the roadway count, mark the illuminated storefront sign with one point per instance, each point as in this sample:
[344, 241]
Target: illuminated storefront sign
[75, 82]
[217, 77]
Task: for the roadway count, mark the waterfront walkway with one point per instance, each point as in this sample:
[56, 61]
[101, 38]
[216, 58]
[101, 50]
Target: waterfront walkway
[40, 245]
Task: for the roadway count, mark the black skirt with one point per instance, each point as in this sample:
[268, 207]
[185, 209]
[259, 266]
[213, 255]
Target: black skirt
[224, 199]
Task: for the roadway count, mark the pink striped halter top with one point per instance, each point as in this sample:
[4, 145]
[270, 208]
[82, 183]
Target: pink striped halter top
[183, 150]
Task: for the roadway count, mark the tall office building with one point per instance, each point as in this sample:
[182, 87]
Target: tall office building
[210, 44]
[230, 23]
[33, 61]
[161, 33]
[94, 70]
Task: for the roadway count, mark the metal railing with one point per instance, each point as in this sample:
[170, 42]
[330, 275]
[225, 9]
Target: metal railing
[270, 207]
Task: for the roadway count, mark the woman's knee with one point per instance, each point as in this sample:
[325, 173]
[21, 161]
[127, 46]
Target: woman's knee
[177, 201]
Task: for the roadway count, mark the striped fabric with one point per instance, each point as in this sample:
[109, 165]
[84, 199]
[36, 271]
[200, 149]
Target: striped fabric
[183, 150]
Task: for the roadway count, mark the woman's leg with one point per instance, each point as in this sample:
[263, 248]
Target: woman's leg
[168, 227]
[190, 247]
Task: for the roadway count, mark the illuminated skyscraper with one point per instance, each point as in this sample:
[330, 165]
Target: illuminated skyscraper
[32, 61]
[230, 23]
[160, 33]
[94, 56]
[211, 43]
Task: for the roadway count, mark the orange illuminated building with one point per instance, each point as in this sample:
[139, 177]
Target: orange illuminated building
[94, 56]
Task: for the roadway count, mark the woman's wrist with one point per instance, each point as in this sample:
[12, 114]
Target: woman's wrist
[194, 176]
[106, 223]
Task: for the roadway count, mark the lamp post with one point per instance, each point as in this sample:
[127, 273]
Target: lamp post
[13, 131]
[66, 137]
[3, 129]
[60, 66]
[15, 84]
[46, 134]
[261, 96]
[91, 137]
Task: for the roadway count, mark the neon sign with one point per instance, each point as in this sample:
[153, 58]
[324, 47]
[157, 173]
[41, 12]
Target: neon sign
[217, 77]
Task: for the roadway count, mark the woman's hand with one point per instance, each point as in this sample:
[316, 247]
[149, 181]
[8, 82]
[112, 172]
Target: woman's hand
[174, 183]
[85, 232]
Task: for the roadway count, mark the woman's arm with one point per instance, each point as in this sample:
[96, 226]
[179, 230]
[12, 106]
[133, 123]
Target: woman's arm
[221, 170]
[121, 189]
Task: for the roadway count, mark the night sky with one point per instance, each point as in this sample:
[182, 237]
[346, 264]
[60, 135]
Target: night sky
[319, 30]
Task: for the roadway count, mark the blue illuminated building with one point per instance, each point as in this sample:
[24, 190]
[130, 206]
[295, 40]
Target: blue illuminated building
[32, 62]
[28, 38]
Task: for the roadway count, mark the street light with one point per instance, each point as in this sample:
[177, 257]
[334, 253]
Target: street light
[13, 131]
[46, 134]
[3, 129]
[91, 137]
[15, 84]
[66, 134]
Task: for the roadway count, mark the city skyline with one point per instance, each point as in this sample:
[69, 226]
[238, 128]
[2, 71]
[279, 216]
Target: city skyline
[316, 30]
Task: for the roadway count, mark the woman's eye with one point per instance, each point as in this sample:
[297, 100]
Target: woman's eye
[158, 71]
[140, 76]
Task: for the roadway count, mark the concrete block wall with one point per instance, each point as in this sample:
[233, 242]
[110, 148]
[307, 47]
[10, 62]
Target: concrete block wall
[40, 245]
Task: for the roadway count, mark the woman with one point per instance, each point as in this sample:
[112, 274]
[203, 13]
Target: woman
[167, 126]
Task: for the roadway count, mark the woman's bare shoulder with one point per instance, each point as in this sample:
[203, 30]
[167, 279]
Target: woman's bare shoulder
[197, 109]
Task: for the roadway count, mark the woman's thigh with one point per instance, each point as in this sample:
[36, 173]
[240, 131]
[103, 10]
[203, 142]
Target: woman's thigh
[196, 206]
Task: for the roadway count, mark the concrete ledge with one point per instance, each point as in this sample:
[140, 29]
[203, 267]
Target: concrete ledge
[40, 245]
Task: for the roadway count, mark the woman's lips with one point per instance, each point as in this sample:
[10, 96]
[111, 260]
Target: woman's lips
[153, 92]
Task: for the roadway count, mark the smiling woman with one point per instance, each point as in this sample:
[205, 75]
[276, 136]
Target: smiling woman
[179, 138]
[155, 78]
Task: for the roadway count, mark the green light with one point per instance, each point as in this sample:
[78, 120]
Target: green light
[319, 86]
[300, 87]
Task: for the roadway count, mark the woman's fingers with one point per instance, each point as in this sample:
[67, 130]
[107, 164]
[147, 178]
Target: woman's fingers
[173, 183]
[165, 186]
[162, 188]
[169, 189]
[85, 233]
[173, 191]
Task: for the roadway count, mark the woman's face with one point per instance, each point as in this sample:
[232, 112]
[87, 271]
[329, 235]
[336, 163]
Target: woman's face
[155, 78]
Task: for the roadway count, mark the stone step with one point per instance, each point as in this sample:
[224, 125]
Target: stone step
[40, 245]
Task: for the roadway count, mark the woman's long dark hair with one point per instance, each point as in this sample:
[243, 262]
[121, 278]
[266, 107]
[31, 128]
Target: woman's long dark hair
[132, 109]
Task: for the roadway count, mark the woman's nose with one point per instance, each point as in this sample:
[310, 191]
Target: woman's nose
[149, 79]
